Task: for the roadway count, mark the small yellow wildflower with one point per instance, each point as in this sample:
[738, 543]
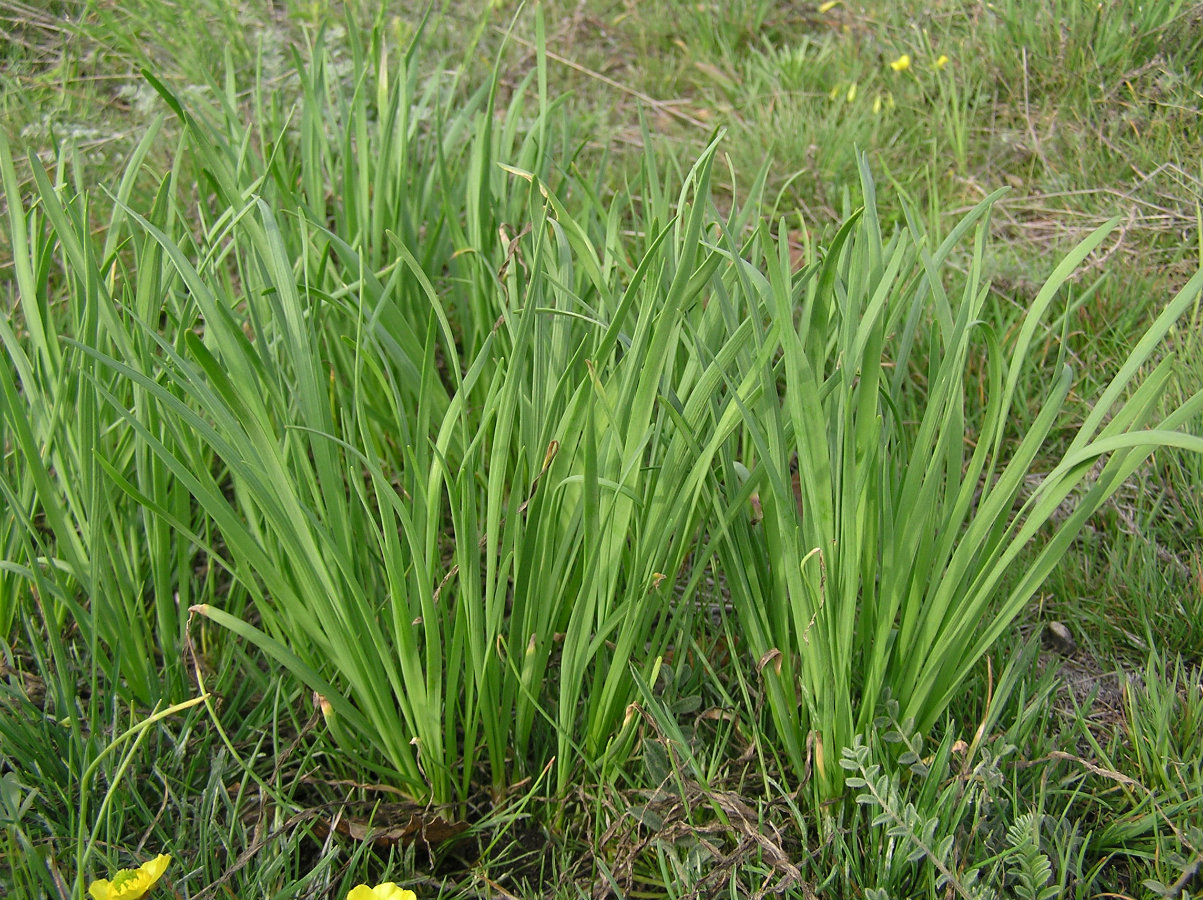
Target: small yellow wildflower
[386, 891]
[902, 63]
[941, 61]
[131, 884]
[828, 6]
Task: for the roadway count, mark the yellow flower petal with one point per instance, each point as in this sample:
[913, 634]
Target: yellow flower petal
[130, 884]
[828, 6]
[386, 891]
[902, 63]
[941, 61]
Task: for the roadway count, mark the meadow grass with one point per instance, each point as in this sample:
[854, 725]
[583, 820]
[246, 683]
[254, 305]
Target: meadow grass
[448, 450]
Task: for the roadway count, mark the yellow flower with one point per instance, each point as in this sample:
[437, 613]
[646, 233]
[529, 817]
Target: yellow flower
[829, 6]
[941, 61]
[902, 63]
[386, 891]
[131, 884]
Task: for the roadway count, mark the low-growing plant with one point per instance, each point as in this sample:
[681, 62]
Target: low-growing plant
[448, 474]
[406, 402]
[881, 566]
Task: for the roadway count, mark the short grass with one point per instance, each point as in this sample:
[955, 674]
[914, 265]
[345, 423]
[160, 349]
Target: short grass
[417, 453]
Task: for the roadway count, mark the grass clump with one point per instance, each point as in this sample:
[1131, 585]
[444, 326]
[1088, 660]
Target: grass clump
[396, 496]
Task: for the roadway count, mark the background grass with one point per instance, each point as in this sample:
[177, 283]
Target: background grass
[1079, 771]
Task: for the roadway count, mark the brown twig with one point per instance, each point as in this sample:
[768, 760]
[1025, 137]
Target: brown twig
[665, 106]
